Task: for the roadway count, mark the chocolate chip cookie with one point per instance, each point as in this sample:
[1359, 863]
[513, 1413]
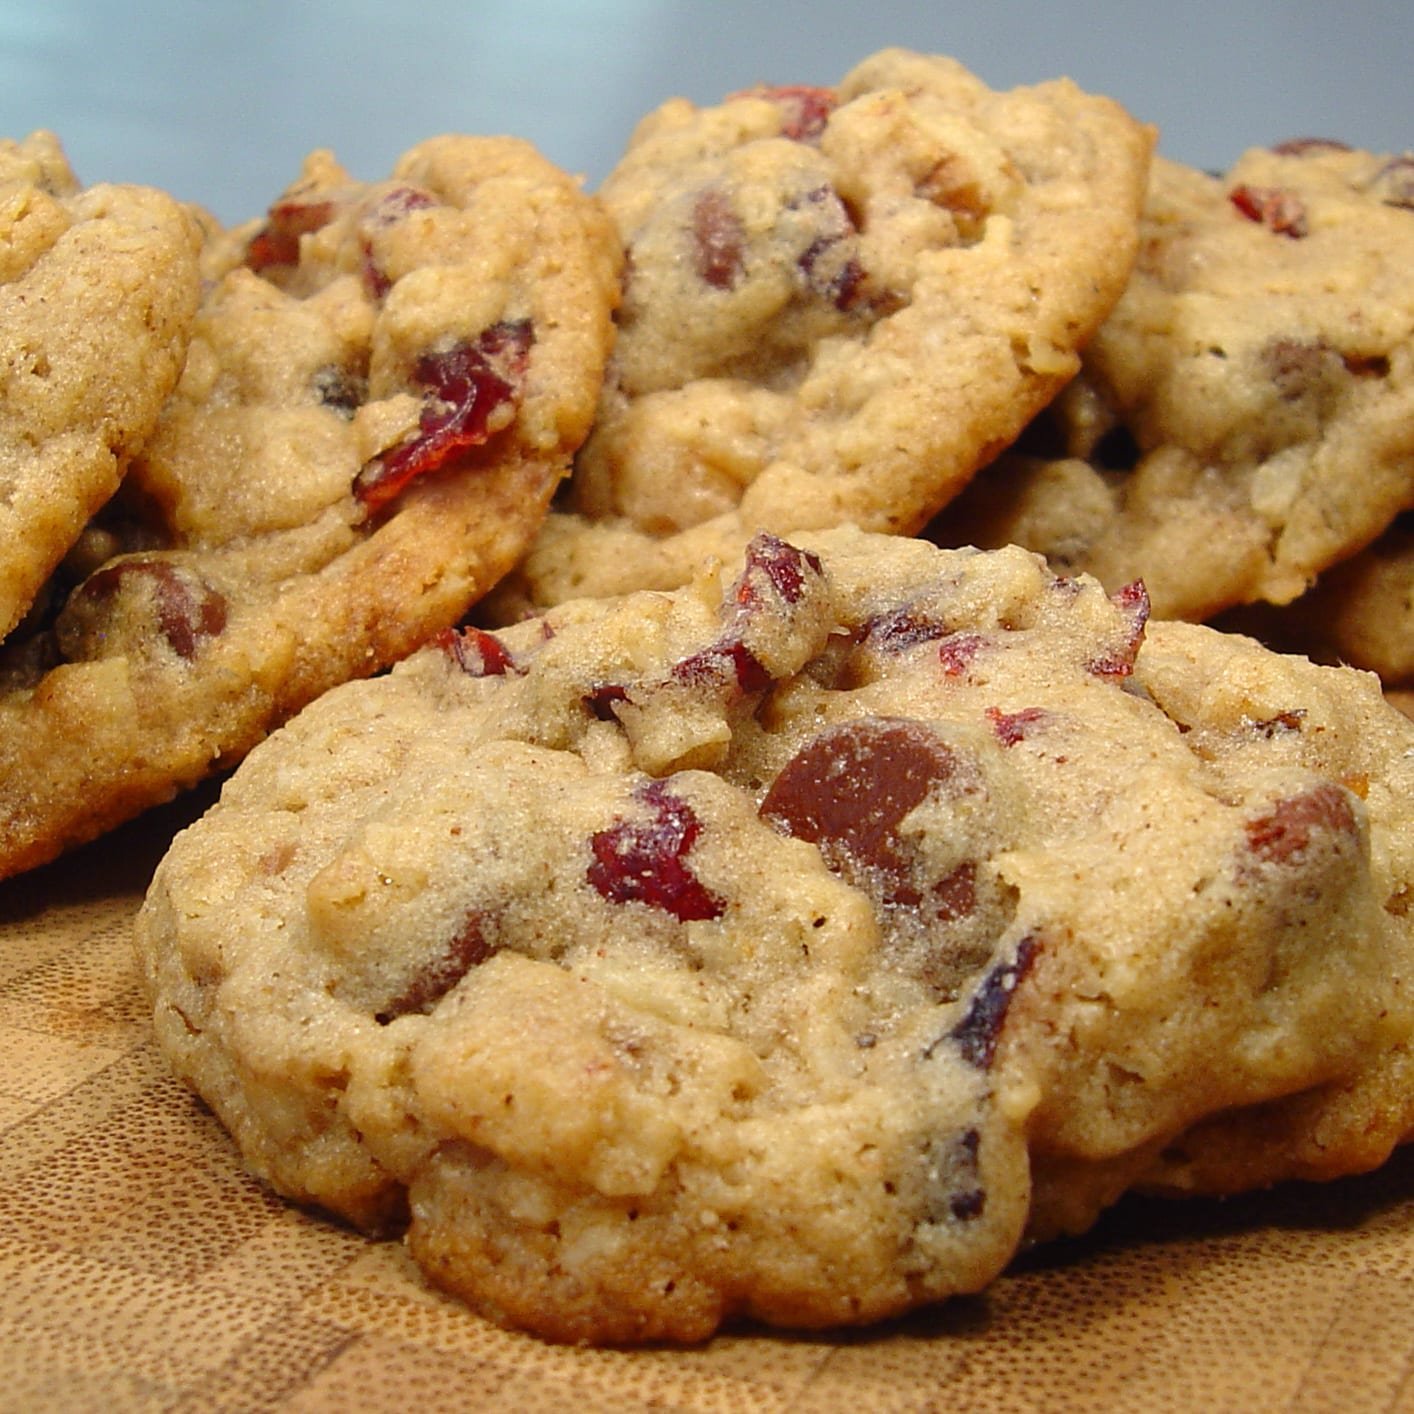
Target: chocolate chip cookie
[1245, 417]
[743, 950]
[839, 303]
[98, 289]
[385, 383]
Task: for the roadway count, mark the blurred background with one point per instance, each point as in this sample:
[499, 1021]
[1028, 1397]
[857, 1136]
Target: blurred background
[218, 102]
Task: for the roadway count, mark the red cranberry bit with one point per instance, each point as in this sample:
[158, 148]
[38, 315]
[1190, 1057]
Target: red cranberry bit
[1133, 603]
[477, 653]
[277, 241]
[466, 384]
[729, 662]
[786, 569]
[440, 974]
[1280, 725]
[1284, 833]
[1012, 727]
[1278, 210]
[390, 208]
[804, 109]
[188, 610]
[849, 789]
[602, 697]
[719, 240]
[957, 651]
[643, 861]
[1300, 146]
[900, 629]
[981, 1025]
[774, 571]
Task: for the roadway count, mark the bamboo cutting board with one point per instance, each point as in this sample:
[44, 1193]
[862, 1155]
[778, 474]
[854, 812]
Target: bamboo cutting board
[141, 1269]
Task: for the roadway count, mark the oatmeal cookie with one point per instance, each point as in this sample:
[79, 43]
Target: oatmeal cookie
[1360, 612]
[384, 385]
[98, 289]
[737, 950]
[1245, 417]
[839, 304]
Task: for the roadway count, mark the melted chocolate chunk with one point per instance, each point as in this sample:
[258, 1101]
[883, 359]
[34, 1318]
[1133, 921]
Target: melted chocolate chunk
[186, 609]
[979, 1030]
[850, 788]
[440, 974]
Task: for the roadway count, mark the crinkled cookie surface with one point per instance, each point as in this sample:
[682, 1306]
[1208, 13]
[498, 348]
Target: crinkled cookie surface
[385, 383]
[1245, 417]
[789, 945]
[98, 290]
[839, 303]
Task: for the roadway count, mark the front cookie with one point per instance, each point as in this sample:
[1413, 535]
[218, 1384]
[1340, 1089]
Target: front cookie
[730, 952]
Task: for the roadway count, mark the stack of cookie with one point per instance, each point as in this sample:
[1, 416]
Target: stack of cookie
[753, 899]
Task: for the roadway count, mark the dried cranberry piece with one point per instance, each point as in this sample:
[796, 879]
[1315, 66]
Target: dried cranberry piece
[1284, 832]
[1132, 600]
[729, 661]
[1012, 727]
[468, 949]
[902, 628]
[277, 241]
[1275, 208]
[848, 790]
[785, 567]
[719, 240]
[391, 207]
[1300, 146]
[644, 861]
[602, 697]
[957, 651]
[188, 610]
[775, 571]
[805, 109]
[477, 653]
[981, 1025]
[466, 385]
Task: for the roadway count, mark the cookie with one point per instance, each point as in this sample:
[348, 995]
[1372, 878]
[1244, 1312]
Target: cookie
[737, 951]
[1360, 612]
[839, 303]
[384, 385]
[98, 289]
[1245, 417]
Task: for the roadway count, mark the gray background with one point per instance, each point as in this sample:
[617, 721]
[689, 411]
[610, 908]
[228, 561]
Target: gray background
[218, 102]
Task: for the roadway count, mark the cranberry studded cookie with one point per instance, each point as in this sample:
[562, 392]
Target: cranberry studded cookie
[839, 303]
[1245, 417]
[98, 289]
[385, 383]
[738, 950]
